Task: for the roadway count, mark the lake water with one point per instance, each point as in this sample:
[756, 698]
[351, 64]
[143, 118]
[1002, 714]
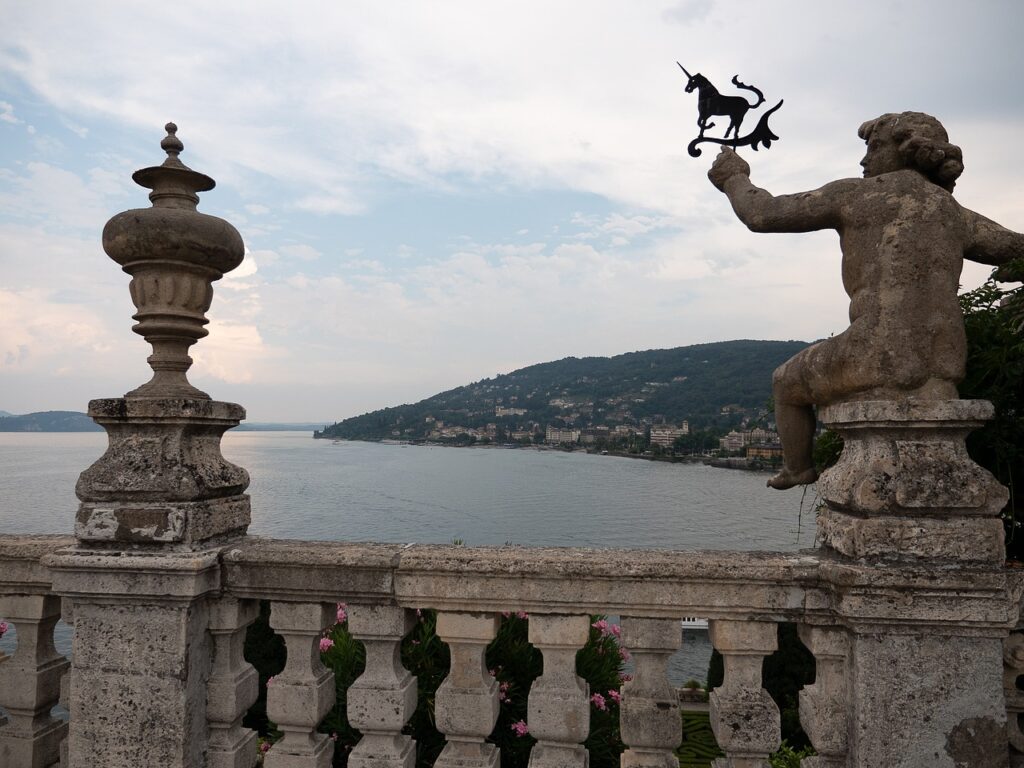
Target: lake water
[315, 489]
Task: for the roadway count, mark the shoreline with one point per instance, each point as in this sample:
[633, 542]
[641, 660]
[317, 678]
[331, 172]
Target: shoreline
[733, 463]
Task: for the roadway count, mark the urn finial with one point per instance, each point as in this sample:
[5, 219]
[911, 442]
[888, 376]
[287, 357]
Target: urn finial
[174, 254]
[172, 145]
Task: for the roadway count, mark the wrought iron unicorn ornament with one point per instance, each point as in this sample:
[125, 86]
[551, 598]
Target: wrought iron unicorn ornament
[710, 103]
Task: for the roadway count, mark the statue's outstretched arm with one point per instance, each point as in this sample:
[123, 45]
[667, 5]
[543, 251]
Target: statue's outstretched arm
[762, 211]
[991, 243]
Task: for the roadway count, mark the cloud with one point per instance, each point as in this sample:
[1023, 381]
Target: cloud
[55, 196]
[7, 114]
[687, 11]
[232, 353]
[300, 251]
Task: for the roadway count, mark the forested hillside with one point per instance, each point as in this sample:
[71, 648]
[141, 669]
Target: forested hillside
[694, 383]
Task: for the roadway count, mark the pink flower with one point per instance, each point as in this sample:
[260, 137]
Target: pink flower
[334, 736]
[623, 654]
[503, 691]
[598, 701]
[522, 614]
[616, 630]
[505, 614]
[615, 696]
[601, 625]
[265, 747]
[342, 613]
[270, 680]
[520, 728]
[3, 628]
[326, 644]
[624, 677]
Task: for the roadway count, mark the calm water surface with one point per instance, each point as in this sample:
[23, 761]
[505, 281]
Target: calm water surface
[315, 489]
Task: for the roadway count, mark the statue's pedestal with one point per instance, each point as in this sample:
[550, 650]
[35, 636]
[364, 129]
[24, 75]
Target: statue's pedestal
[917, 581]
[162, 480]
[905, 489]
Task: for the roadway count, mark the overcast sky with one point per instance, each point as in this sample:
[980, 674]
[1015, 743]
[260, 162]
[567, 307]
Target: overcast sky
[433, 193]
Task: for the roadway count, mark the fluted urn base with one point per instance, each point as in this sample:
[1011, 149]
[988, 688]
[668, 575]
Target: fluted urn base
[162, 480]
[905, 488]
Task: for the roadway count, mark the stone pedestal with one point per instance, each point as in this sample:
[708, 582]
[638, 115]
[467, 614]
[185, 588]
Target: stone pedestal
[155, 511]
[918, 586]
[905, 489]
[141, 656]
[162, 481]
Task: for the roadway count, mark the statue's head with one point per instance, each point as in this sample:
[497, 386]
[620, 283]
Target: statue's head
[911, 140]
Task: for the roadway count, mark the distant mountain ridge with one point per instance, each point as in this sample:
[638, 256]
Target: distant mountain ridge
[693, 383]
[74, 421]
[49, 421]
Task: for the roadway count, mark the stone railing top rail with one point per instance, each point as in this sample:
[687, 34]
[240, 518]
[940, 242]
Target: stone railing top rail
[805, 586]
[21, 571]
[550, 580]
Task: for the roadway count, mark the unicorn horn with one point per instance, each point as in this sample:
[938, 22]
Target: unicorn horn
[688, 75]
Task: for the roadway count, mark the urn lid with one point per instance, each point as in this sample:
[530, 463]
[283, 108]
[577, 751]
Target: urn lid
[174, 184]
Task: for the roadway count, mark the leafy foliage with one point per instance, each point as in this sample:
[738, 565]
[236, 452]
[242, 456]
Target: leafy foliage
[993, 318]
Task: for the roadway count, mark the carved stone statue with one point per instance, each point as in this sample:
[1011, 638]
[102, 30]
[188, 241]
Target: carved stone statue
[903, 239]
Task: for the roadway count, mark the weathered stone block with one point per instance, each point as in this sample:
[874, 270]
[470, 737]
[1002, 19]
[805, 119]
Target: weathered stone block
[306, 701]
[31, 749]
[887, 537]
[926, 699]
[382, 708]
[319, 754]
[383, 751]
[115, 717]
[745, 721]
[227, 697]
[142, 639]
[466, 711]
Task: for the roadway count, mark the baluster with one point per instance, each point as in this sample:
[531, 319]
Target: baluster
[466, 705]
[559, 706]
[233, 685]
[649, 714]
[823, 704]
[745, 720]
[30, 682]
[67, 615]
[303, 693]
[383, 698]
[1013, 667]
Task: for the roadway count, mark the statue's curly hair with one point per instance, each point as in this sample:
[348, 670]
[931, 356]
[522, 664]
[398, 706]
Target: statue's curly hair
[923, 144]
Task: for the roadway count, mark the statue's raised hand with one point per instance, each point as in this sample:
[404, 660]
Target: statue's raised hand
[727, 165]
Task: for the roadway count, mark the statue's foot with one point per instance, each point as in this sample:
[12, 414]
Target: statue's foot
[787, 479]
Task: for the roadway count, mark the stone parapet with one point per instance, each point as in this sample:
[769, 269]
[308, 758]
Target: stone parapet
[144, 619]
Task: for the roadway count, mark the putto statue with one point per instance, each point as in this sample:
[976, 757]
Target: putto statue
[903, 239]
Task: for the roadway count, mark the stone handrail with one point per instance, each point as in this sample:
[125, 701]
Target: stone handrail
[655, 583]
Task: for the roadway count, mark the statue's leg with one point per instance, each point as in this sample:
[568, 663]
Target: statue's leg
[795, 421]
[796, 425]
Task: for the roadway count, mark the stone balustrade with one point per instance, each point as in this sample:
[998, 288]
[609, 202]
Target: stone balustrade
[743, 594]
